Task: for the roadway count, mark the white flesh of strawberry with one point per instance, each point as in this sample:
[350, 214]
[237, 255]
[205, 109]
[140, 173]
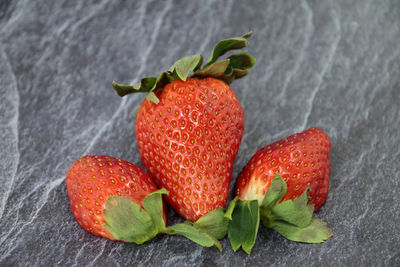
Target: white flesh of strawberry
[255, 191]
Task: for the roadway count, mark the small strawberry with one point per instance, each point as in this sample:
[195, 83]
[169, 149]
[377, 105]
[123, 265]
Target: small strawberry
[284, 183]
[189, 129]
[115, 199]
[301, 159]
[91, 180]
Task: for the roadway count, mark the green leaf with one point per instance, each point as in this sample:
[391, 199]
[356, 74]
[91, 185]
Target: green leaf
[161, 81]
[179, 70]
[242, 230]
[213, 223]
[295, 212]
[183, 66]
[152, 98]
[275, 193]
[241, 61]
[196, 235]
[315, 232]
[235, 67]
[145, 85]
[247, 35]
[127, 221]
[226, 45]
[236, 74]
[215, 70]
[239, 66]
[153, 205]
[232, 205]
[292, 218]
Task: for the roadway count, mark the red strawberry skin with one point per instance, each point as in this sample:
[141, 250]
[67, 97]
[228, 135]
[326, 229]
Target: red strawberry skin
[188, 143]
[301, 159]
[92, 179]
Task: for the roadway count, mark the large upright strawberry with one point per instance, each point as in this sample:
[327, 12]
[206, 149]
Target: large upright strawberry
[283, 184]
[189, 129]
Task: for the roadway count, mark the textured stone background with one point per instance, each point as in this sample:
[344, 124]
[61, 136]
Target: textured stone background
[334, 65]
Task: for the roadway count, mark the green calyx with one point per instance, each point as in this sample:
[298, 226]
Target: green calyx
[129, 222]
[206, 231]
[292, 218]
[234, 67]
[243, 227]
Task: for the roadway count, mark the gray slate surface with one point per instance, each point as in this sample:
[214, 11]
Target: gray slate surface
[334, 65]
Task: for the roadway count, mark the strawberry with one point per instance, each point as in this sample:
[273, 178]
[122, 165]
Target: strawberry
[301, 159]
[188, 143]
[91, 180]
[283, 184]
[115, 199]
[189, 129]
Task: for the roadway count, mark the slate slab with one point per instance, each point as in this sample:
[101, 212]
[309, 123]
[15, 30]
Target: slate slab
[331, 64]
